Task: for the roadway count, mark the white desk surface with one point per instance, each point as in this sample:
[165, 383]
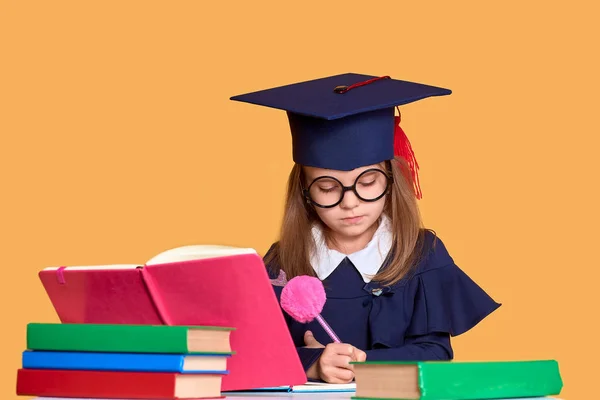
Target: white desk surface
[283, 396]
[326, 396]
[277, 396]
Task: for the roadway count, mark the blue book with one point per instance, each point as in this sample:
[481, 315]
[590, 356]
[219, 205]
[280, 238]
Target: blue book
[134, 362]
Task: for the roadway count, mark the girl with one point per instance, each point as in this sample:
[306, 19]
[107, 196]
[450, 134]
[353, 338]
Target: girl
[351, 218]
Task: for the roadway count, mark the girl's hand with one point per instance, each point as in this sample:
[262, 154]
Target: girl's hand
[334, 364]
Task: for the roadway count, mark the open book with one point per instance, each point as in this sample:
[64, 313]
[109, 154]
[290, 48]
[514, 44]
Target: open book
[183, 253]
[209, 285]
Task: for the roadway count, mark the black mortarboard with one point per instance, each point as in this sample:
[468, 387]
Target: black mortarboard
[344, 121]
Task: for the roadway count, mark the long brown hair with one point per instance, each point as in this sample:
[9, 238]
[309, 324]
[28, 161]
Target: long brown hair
[296, 242]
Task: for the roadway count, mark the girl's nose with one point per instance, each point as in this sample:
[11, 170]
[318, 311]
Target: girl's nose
[350, 200]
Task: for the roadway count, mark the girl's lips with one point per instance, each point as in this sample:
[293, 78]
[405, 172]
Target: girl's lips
[352, 220]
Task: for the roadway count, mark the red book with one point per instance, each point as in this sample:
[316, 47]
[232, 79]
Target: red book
[110, 384]
[228, 287]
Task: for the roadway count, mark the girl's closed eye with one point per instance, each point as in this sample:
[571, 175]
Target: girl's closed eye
[327, 189]
[327, 186]
[367, 183]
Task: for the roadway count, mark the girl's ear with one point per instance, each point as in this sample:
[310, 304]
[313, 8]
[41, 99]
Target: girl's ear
[309, 203]
[302, 184]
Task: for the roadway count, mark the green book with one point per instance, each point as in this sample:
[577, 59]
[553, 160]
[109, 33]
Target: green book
[444, 380]
[123, 338]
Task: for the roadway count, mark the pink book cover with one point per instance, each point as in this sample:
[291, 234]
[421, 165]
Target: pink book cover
[226, 290]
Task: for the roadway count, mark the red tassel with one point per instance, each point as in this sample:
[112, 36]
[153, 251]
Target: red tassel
[402, 148]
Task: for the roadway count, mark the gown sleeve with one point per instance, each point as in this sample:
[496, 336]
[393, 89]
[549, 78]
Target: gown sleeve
[430, 347]
[445, 299]
[439, 301]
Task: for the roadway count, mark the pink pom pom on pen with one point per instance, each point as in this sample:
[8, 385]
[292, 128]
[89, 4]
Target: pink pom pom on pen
[303, 298]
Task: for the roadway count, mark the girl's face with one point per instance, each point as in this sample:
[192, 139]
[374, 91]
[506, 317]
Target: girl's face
[352, 217]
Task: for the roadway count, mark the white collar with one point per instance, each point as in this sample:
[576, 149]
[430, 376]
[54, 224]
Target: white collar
[367, 261]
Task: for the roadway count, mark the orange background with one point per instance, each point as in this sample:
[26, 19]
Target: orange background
[119, 141]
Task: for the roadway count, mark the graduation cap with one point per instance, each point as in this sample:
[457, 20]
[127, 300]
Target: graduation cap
[346, 121]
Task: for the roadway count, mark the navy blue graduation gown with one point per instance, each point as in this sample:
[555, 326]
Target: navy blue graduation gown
[411, 320]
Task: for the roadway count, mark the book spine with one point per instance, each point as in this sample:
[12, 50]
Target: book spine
[95, 384]
[155, 298]
[119, 338]
[102, 361]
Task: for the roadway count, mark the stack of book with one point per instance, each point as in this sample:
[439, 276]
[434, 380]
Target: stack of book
[123, 361]
[443, 380]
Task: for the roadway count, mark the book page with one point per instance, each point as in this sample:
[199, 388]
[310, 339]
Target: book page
[182, 253]
[196, 252]
[325, 387]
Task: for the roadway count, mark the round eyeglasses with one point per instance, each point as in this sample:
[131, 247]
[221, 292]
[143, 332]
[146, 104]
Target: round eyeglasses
[327, 191]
